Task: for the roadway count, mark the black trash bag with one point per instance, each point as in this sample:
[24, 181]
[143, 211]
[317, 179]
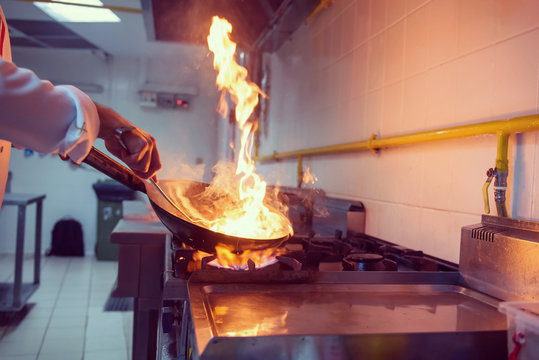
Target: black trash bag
[67, 239]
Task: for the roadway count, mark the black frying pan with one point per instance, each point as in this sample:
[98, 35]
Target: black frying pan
[173, 217]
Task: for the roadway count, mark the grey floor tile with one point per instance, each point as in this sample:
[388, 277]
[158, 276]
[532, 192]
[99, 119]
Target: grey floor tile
[61, 356]
[106, 355]
[23, 347]
[66, 311]
[60, 346]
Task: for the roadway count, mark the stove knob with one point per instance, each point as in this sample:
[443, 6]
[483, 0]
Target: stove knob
[167, 320]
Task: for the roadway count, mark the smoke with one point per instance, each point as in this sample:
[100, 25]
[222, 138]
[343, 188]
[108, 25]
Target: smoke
[178, 167]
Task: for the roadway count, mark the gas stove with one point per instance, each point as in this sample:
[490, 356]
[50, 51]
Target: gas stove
[311, 252]
[327, 295]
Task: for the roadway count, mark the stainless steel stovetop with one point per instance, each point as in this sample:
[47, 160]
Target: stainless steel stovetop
[317, 314]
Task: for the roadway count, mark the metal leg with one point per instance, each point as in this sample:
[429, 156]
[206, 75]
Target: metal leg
[19, 253]
[37, 251]
[144, 332]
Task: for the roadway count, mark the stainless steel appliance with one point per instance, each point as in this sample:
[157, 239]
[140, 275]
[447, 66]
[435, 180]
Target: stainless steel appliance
[330, 297]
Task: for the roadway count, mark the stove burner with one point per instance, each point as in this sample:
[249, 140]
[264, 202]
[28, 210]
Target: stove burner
[279, 263]
[311, 252]
[368, 262]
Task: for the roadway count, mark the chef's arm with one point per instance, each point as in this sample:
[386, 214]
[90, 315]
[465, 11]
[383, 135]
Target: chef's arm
[38, 115]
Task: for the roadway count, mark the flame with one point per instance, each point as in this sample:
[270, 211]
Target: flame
[249, 217]
[228, 259]
[308, 177]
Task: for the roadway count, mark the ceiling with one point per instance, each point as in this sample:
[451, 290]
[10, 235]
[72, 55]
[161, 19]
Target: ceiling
[29, 26]
[257, 24]
[163, 28]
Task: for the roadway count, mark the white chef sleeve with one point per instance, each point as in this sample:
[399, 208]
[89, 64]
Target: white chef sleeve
[35, 114]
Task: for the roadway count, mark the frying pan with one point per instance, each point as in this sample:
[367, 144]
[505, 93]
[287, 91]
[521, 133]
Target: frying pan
[172, 215]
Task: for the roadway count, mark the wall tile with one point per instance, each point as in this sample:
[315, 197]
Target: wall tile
[325, 48]
[440, 237]
[346, 82]
[443, 30]
[373, 112]
[516, 16]
[351, 121]
[408, 175]
[516, 75]
[436, 172]
[348, 26]
[394, 53]
[410, 231]
[416, 52]
[378, 16]
[477, 24]
[419, 196]
[389, 187]
[341, 5]
[472, 158]
[371, 217]
[371, 176]
[396, 9]
[333, 84]
[362, 23]
[359, 75]
[412, 5]
[475, 81]
[442, 96]
[335, 31]
[357, 114]
[415, 100]
[392, 110]
[375, 70]
[390, 228]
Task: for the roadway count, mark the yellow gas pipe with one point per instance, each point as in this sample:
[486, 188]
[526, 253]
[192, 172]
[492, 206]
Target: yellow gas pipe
[321, 6]
[500, 127]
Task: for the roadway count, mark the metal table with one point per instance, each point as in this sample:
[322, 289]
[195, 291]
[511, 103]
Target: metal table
[13, 296]
[141, 263]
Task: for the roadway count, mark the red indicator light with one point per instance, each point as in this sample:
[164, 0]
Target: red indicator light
[179, 102]
[185, 105]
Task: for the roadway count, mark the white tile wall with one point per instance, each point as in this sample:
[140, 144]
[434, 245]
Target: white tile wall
[415, 65]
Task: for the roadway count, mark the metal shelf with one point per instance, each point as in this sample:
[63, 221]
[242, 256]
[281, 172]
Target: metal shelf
[13, 296]
[7, 300]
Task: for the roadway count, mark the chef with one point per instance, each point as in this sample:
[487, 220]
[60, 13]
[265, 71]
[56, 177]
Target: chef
[63, 120]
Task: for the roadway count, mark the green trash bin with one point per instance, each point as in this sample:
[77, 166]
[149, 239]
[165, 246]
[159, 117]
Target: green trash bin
[110, 195]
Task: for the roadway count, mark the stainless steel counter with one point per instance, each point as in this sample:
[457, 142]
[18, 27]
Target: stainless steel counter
[345, 316]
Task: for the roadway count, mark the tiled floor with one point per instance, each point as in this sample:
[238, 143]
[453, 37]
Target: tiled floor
[64, 319]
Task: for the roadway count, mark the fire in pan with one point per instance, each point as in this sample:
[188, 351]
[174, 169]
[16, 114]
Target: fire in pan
[174, 214]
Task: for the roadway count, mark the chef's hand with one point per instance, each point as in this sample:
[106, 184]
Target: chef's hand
[135, 147]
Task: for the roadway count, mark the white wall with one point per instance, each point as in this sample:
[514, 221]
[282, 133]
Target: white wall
[390, 67]
[182, 136]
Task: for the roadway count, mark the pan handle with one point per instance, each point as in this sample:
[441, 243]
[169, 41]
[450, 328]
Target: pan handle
[111, 168]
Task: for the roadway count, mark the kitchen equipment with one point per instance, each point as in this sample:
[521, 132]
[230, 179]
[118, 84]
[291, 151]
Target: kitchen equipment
[523, 328]
[409, 310]
[172, 214]
[499, 257]
[415, 306]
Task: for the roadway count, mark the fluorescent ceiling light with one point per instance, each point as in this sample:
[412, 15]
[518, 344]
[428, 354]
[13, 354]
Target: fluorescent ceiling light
[74, 13]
